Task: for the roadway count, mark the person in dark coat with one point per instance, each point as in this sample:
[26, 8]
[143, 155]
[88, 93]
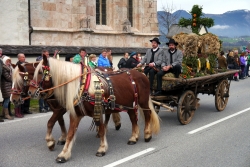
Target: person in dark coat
[6, 85]
[153, 60]
[122, 62]
[26, 105]
[132, 61]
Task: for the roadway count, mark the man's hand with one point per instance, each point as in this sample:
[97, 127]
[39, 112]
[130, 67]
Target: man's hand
[166, 68]
[151, 64]
[139, 65]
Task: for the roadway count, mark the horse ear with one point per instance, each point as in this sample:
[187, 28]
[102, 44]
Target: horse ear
[45, 60]
[13, 65]
[21, 68]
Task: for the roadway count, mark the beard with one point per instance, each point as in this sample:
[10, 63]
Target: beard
[172, 49]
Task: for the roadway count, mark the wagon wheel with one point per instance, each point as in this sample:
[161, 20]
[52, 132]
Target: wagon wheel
[186, 107]
[222, 95]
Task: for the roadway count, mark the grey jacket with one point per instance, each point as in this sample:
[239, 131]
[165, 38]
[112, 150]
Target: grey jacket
[176, 57]
[158, 57]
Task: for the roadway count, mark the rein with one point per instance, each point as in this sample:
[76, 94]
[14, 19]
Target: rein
[45, 90]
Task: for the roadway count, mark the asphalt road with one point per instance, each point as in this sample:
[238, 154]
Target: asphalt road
[223, 139]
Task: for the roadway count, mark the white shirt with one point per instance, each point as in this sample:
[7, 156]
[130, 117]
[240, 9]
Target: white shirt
[155, 49]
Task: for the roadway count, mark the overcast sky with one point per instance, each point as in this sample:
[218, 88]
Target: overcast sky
[209, 6]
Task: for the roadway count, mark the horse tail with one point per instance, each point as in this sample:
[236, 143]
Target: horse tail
[154, 119]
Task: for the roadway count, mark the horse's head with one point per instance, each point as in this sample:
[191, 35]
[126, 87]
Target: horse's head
[21, 78]
[43, 76]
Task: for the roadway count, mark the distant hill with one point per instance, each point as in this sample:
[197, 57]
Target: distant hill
[229, 24]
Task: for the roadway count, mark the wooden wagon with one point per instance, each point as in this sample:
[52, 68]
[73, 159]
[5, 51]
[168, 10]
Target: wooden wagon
[182, 93]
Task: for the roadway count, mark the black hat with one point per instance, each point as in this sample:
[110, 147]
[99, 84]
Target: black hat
[172, 41]
[156, 40]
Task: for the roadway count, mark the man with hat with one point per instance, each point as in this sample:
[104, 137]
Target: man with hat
[172, 61]
[153, 60]
[132, 61]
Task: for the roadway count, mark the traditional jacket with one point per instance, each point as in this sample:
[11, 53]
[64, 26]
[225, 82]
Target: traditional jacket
[6, 81]
[92, 64]
[176, 58]
[131, 63]
[222, 62]
[103, 62]
[157, 59]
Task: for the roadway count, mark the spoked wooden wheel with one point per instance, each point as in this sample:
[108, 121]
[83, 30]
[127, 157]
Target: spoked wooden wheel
[222, 95]
[186, 107]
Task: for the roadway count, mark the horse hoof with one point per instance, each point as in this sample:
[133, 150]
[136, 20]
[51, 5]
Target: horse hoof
[60, 160]
[148, 139]
[97, 135]
[100, 154]
[131, 142]
[60, 142]
[118, 127]
[51, 148]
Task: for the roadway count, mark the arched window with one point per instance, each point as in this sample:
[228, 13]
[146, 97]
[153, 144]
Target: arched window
[101, 12]
[130, 11]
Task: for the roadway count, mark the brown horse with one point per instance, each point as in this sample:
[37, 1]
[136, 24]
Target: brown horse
[132, 81]
[22, 76]
[20, 92]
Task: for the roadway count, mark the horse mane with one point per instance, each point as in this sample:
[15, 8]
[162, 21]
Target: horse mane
[61, 72]
[16, 78]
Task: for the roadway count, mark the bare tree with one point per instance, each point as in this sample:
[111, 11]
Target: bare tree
[167, 17]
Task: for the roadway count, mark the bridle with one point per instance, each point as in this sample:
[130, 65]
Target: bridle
[39, 86]
[22, 93]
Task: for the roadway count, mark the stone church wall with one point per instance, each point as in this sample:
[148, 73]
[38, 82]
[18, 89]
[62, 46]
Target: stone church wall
[14, 28]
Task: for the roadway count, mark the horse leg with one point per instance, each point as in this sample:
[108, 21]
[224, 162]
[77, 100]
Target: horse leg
[66, 152]
[56, 116]
[107, 117]
[135, 129]
[152, 122]
[117, 120]
[147, 129]
[103, 143]
[51, 122]
[62, 139]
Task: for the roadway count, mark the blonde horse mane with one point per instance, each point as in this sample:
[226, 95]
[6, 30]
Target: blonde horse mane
[61, 72]
[16, 78]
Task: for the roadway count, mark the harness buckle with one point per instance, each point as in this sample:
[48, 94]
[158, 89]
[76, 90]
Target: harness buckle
[112, 98]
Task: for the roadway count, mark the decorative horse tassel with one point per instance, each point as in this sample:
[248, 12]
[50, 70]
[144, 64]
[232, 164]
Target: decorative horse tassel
[98, 104]
[92, 126]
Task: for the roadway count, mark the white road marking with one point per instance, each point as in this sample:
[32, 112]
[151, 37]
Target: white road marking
[219, 121]
[130, 157]
[24, 119]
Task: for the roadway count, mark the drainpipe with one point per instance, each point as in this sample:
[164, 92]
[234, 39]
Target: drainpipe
[29, 22]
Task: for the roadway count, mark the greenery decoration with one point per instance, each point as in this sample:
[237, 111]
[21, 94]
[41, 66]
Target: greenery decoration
[196, 21]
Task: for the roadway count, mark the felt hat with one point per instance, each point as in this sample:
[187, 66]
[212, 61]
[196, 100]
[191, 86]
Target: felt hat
[172, 41]
[156, 40]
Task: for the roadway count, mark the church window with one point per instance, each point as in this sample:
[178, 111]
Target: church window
[130, 11]
[101, 12]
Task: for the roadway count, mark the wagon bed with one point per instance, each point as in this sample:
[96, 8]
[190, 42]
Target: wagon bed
[182, 93]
